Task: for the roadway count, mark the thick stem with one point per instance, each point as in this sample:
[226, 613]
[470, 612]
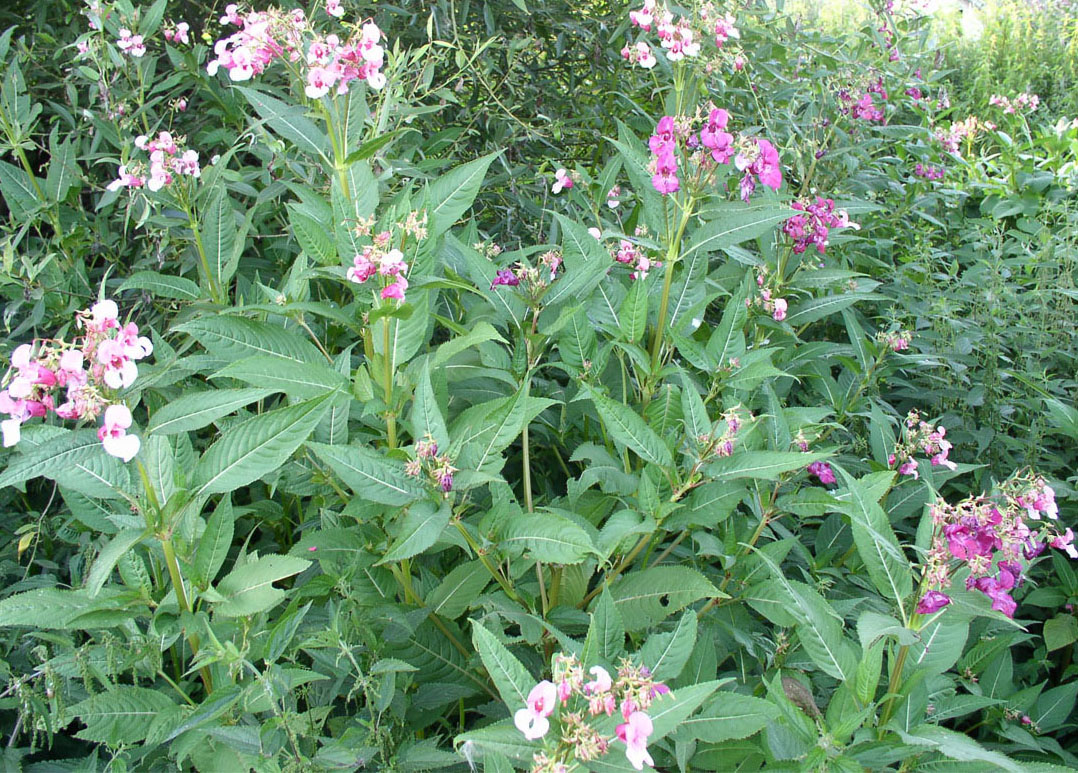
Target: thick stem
[892, 687]
[215, 291]
[485, 560]
[387, 382]
[184, 605]
[671, 259]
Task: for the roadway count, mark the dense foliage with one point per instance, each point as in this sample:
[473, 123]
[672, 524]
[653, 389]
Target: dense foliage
[536, 386]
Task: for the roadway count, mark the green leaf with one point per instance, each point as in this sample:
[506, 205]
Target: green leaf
[123, 715]
[458, 590]
[109, 555]
[369, 474]
[195, 410]
[1054, 707]
[646, 598]
[256, 446]
[729, 717]
[216, 704]
[63, 170]
[313, 237]
[815, 309]
[75, 460]
[728, 340]
[426, 416]
[633, 313]
[215, 542]
[502, 738]
[248, 589]
[54, 609]
[162, 285]
[452, 194]
[734, 223]
[233, 338]
[887, 565]
[958, 746]
[586, 263]
[420, 528]
[219, 234]
[477, 334]
[301, 380]
[667, 653]
[18, 191]
[549, 537]
[670, 710]
[760, 465]
[511, 679]
[1060, 631]
[629, 429]
[606, 634]
[289, 121]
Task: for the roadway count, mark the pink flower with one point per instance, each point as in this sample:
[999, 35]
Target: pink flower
[823, 471]
[113, 434]
[635, 734]
[395, 291]
[602, 682]
[532, 721]
[363, 268]
[933, 601]
[1065, 542]
[334, 9]
[665, 179]
[131, 45]
[319, 82]
[767, 166]
[712, 136]
[119, 370]
[562, 181]
[643, 18]
[780, 310]
[725, 28]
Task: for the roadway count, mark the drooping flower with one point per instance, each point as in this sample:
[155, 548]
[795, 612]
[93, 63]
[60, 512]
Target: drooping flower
[634, 732]
[933, 601]
[823, 471]
[562, 181]
[532, 720]
[113, 434]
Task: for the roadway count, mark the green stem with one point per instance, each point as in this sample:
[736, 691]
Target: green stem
[184, 605]
[527, 471]
[387, 382]
[892, 687]
[215, 291]
[671, 260]
[485, 560]
[542, 588]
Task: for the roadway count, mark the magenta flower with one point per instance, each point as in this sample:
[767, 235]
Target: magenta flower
[823, 471]
[506, 278]
[933, 601]
[113, 435]
[532, 720]
[395, 291]
[562, 181]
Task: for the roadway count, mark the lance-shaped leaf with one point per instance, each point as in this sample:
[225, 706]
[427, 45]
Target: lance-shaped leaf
[109, 555]
[162, 285]
[256, 446]
[549, 537]
[586, 263]
[233, 338]
[452, 194]
[75, 460]
[123, 715]
[629, 429]
[761, 465]
[370, 474]
[420, 528]
[606, 634]
[511, 679]
[734, 223]
[648, 597]
[302, 380]
[730, 716]
[248, 589]
[197, 409]
[427, 420]
[288, 121]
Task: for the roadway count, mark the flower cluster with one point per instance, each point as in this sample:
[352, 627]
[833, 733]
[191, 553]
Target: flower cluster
[437, 468]
[776, 307]
[639, 53]
[680, 37]
[895, 340]
[921, 436]
[131, 44]
[168, 160]
[759, 161]
[823, 472]
[632, 255]
[177, 33]
[533, 281]
[991, 537]
[577, 699]
[265, 36]
[959, 131]
[863, 107]
[1023, 103]
[383, 260]
[814, 226]
[89, 370]
[928, 172]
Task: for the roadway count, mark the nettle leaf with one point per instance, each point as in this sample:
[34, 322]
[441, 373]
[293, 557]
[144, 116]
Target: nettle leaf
[729, 717]
[452, 194]
[195, 410]
[606, 634]
[549, 537]
[55, 609]
[647, 598]
[511, 679]
[123, 715]
[629, 429]
[233, 338]
[256, 446]
[370, 474]
[419, 529]
[302, 380]
[248, 589]
[887, 565]
[633, 312]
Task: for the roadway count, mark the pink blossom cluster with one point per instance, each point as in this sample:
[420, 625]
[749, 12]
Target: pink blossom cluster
[959, 131]
[823, 472]
[168, 159]
[863, 106]
[101, 361]
[533, 281]
[895, 340]
[991, 537]
[921, 436]
[758, 160]
[330, 64]
[813, 227]
[928, 172]
[131, 44]
[577, 699]
[1023, 103]
[437, 468]
[387, 263]
[177, 33]
[679, 37]
[776, 307]
[632, 255]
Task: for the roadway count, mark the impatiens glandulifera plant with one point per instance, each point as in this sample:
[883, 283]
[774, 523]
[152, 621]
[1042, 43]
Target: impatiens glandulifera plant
[635, 413]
